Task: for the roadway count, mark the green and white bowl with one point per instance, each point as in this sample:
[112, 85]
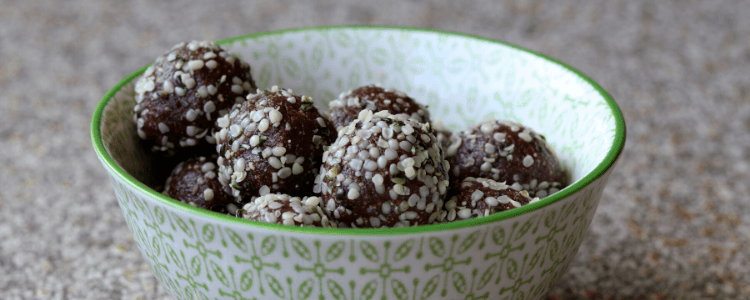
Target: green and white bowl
[517, 254]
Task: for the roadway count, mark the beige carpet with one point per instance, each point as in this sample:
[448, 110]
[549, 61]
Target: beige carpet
[673, 223]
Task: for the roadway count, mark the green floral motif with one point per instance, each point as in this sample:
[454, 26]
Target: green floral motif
[207, 235]
[238, 289]
[515, 275]
[556, 252]
[186, 275]
[368, 292]
[437, 247]
[429, 288]
[155, 221]
[152, 247]
[305, 289]
[255, 260]
[386, 269]
[549, 248]
[335, 289]
[500, 238]
[470, 295]
[283, 246]
[193, 289]
[319, 268]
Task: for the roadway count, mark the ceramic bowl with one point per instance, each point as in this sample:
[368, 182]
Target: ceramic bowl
[517, 254]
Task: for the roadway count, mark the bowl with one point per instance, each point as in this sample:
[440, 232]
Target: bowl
[516, 254]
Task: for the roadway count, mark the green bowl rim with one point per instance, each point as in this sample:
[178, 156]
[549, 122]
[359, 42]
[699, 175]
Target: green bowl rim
[599, 170]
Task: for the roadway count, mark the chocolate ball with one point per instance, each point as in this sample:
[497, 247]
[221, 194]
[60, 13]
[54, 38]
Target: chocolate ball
[373, 97]
[179, 97]
[272, 143]
[384, 170]
[194, 181]
[286, 210]
[442, 134]
[507, 152]
[481, 197]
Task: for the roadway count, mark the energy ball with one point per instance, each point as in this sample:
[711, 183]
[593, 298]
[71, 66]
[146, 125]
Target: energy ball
[179, 97]
[508, 152]
[272, 143]
[481, 197]
[286, 210]
[384, 170]
[373, 97]
[442, 134]
[194, 182]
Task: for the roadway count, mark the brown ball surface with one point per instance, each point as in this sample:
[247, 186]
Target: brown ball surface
[507, 152]
[180, 96]
[272, 143]
[481, 197]
[286, 210]
[384, 170]
[194, 181]
[442, 134]
[373, 97]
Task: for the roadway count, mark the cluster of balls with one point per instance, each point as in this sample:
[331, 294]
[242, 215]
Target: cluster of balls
[375, 161]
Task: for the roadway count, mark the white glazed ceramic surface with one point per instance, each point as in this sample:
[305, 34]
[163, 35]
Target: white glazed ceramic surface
[517, 254]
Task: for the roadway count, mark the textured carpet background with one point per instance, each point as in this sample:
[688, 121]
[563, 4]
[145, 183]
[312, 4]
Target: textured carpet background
[673, 222]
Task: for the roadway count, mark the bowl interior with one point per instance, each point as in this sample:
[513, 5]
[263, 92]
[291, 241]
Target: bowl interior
[463, 80]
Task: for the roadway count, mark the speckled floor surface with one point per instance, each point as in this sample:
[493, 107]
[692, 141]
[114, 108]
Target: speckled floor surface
[673, 223]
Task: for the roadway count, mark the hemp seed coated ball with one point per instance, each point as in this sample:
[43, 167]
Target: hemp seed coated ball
[442, 134]
[272, 143]
[286, 210]
[194, 182]
[373, 97]
[481, 197]
[509, 152]
[180, 96]
[384, 170]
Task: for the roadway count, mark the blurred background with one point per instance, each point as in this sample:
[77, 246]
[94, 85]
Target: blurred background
[673, 222]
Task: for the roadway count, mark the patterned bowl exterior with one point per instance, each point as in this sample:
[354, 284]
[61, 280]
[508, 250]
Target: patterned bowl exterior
[517, 254]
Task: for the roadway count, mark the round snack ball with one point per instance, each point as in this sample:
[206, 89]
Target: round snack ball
[480, 197]
[373, 97]
[272, 143]
[286, 210]
[442, 134]
[508, 152]
[384, 170]
[179, 97]
[194, 181]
